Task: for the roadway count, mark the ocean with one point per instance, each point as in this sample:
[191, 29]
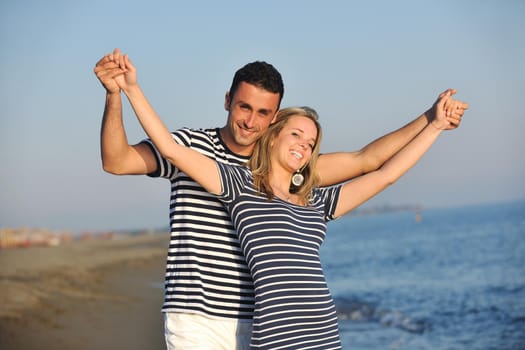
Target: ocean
[452, 279]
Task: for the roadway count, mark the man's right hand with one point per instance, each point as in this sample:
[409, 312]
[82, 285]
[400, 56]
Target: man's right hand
[116, 72]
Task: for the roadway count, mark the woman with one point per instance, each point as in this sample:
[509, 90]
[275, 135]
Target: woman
[281, 221]
[281, 227]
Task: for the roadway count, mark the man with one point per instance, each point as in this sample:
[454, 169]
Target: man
[208, 289]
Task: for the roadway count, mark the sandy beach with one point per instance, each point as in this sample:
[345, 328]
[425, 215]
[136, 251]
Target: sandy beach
[94, 294]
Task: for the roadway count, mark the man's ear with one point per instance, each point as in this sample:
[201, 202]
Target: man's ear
[227, 101]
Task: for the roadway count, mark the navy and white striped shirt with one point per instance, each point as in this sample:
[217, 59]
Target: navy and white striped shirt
[206, 272]
[281, 242]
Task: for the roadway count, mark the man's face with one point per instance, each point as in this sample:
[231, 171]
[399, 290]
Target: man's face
[251, 111]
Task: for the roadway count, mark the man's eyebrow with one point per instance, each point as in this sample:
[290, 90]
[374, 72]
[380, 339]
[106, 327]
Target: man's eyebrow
[265, 110]
[261, 110]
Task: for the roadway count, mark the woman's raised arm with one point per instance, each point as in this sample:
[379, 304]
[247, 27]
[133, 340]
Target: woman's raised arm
[196, 165]
[361, 189]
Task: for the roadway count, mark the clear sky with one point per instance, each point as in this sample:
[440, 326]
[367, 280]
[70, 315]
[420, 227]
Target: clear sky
[367, 67]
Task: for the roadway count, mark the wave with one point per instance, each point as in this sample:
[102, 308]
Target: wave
[357, 311]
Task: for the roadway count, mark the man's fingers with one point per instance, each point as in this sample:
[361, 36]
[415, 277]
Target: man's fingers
[105, 66]
[103, 60]
[463, 105]
[454, 121]
[447, 91]
[104, 74]
[110, 57]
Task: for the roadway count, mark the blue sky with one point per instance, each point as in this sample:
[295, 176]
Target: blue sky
[366, 67]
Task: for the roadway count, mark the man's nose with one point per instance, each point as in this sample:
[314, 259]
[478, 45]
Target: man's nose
[249, 121]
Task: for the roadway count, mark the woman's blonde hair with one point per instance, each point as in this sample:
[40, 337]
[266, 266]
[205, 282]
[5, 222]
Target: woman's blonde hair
[260, 164]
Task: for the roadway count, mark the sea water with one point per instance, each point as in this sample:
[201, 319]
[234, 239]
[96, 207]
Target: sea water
[443, 279]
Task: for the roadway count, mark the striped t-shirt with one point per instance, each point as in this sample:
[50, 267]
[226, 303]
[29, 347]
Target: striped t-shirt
[281, 241]
[206, 272]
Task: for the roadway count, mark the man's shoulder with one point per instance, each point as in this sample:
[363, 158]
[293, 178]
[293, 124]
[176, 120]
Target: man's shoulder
[211, 141]
[209, 132]
[202, 136]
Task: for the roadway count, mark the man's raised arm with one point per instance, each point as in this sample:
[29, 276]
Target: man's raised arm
[118, 156]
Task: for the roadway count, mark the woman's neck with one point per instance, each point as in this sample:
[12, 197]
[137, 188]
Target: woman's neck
[281, 190]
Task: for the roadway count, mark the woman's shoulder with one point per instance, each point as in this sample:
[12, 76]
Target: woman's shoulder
[240, 170]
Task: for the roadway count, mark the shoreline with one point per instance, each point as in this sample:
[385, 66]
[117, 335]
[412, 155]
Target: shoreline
[97, 294]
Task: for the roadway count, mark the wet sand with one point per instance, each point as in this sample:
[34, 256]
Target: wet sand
[95, 294]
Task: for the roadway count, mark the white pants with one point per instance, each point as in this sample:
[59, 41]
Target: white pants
[191, 331]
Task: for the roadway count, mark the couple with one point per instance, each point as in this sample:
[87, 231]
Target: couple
[209, 293]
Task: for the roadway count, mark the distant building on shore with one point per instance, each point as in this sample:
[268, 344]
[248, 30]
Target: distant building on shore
[30, 237]
[27, 237]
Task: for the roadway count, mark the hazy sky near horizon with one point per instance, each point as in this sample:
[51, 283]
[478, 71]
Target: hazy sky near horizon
[366, 67]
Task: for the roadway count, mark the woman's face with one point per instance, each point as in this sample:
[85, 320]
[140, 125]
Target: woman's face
[294, 145]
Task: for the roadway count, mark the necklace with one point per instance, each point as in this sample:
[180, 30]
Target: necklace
[287, 197]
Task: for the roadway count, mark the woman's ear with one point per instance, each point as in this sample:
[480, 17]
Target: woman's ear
[272, 141]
